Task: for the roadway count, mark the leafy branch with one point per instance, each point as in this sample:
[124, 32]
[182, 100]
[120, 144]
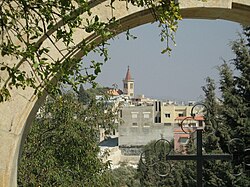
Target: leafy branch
[25, 25]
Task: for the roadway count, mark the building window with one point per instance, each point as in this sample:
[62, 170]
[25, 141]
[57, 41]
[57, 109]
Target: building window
[192, 124]
[167, 115]
[180, 114]
[157, 106]
[158, 119]
[131, 94]
[146, 125]
[125, 85]
[183, 140]
[120, 113]
[131, 86]
[134, 125]
[146, 114]
[134, 114]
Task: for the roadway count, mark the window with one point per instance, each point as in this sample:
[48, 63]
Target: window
[134, 114]
[180, 114]
[167, 115]
[120, 113]
[157, 106]
[158, 119]
[183, 140]
[125, 85]
[131, 94]
[131, 86]
[192, 124]
[134, 125]
[146, 114]
[146, 125]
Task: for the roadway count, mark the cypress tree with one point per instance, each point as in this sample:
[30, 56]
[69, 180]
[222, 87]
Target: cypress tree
[235, 90]
[83, 95]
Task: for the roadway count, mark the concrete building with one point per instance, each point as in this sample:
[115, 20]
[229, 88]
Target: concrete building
[142, 124]
[144, 120]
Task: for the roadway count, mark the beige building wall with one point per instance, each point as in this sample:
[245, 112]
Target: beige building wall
[170, 112]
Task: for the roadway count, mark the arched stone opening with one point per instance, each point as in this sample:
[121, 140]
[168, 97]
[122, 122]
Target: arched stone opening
[17, 114]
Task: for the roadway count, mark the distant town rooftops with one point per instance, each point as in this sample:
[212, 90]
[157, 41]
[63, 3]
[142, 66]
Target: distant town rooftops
[115, 92]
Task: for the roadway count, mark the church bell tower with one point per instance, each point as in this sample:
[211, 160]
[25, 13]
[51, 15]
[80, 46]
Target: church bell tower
[128, 84]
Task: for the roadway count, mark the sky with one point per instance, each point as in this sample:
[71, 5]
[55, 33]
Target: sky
[201, 45]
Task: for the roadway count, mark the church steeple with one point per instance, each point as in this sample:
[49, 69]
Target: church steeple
[128, 75]
[128, 84]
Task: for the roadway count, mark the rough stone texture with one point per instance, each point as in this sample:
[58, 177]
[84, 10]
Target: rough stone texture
[17, 114]
[131, 151]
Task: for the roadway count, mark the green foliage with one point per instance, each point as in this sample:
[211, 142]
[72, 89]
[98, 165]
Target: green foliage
[168, 173]
[124, 176]
[229, 118]
[235, 88]
[225, 119]
[25, 25]
[83, 96]
[62, 147]
[212, 120]
[89, 95]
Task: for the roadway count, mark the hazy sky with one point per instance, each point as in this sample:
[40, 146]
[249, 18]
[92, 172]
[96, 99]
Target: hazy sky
[201, 45]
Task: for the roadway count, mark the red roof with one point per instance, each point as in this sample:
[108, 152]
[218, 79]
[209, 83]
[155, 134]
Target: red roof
[128, 75]
[115, 92]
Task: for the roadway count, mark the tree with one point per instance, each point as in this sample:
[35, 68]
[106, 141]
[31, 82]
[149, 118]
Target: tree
[25, 26]
[124, 176]
[212, 118]
[165, 173]
[230, 117]
[62, 147]
[235, 88]
[215, 173]
[221, 126]
[83, 95]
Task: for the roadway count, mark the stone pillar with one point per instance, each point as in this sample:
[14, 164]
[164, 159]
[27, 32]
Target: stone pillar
[16, 117]
[8, 158]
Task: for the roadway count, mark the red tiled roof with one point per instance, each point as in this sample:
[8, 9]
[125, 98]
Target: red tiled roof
[114, 92]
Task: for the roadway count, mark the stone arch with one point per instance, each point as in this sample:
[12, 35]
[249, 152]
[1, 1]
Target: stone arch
[17, 114]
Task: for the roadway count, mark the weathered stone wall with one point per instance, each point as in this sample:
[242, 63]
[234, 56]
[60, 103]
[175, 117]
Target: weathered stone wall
[131, 150]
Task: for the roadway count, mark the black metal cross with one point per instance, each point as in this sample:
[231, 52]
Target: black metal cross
[199, 157]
